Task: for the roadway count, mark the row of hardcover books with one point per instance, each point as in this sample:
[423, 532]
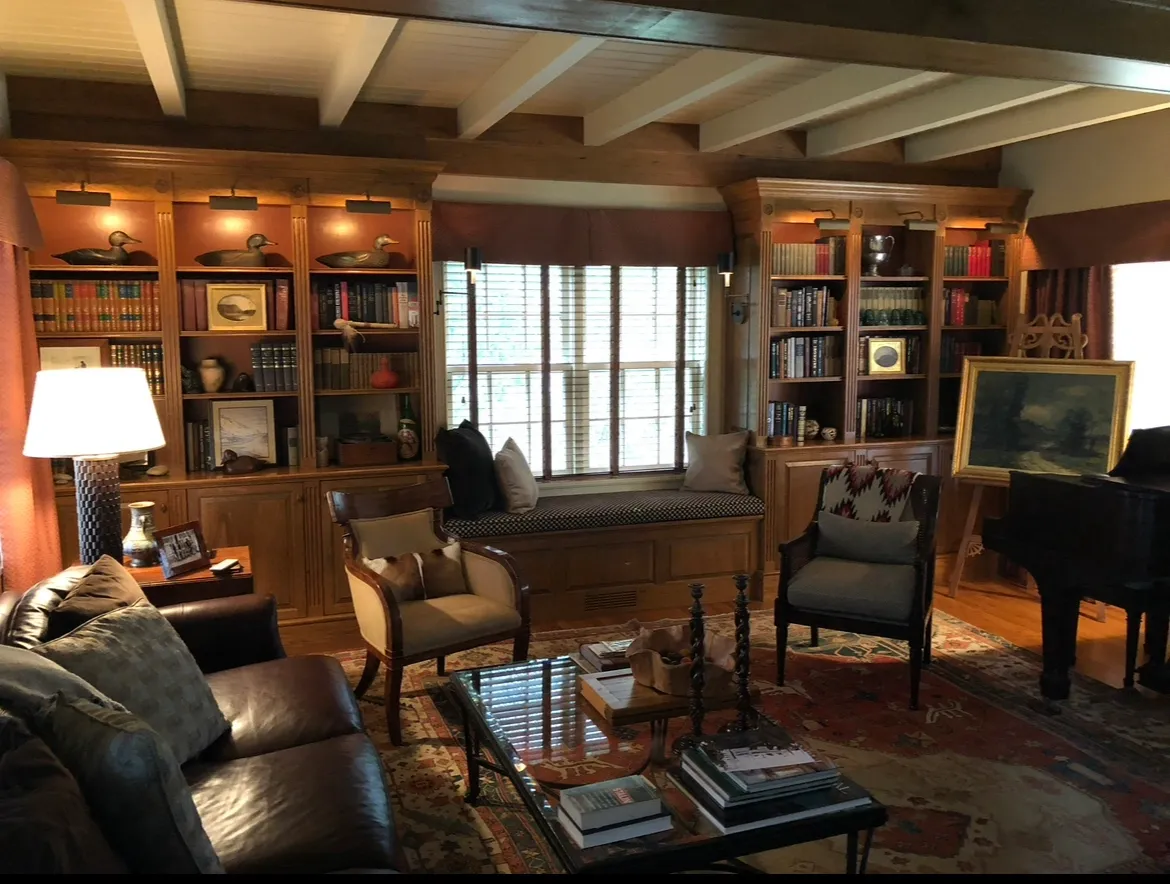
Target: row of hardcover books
[803, 307]
[904, 299]
[148, 357]
[953, 352]
[884, 417]
[386, 303]
[961, 307]
[981, 259]
[335, 368]
[274, 368]
[825, 257]
[805, 356]
[277, 302]
[787, 419]
[95, 305]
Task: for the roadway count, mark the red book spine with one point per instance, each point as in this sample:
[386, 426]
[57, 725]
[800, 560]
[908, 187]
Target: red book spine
[344, 301]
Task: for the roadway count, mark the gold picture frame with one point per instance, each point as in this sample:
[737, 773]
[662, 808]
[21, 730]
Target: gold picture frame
[245, 427]
[885, 356]
[1040, 416]
[237, 306]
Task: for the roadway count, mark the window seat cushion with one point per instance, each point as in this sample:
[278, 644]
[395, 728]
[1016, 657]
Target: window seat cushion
[577, 511]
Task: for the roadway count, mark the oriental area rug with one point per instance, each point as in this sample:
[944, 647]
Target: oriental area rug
[976, 780]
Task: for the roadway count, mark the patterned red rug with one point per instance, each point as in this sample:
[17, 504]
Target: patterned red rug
[976, 781]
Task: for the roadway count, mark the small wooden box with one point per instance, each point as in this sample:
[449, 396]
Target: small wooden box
[367, 454]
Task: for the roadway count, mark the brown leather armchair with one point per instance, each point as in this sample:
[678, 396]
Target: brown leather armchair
[396, 521]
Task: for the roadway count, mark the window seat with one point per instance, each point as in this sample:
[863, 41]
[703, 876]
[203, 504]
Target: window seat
[610, 510]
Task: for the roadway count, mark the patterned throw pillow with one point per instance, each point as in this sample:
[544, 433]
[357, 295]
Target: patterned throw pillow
[106, 585]
[868, 494]
[400, 576]
[133, 785]
[135, 657]
[442, 571]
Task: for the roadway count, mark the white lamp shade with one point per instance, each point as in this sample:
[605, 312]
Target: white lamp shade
[92, 412]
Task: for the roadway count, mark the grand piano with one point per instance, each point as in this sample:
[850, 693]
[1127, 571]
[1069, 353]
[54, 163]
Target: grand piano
[1105, 537]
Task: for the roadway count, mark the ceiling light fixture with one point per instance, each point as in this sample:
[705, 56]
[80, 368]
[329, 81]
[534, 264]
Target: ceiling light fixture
[83, 197]
[832, 222]
[369, 206]
[233, 203]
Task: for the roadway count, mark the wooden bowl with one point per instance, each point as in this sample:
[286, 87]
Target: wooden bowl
[648, 667]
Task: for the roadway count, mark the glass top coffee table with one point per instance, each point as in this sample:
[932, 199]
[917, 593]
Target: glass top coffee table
[529, 722]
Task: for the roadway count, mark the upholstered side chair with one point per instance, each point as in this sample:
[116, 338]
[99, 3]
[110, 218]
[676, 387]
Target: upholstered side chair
[886, 591]
[398, 521]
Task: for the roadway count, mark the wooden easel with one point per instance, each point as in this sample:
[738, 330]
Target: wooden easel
[1045, 337]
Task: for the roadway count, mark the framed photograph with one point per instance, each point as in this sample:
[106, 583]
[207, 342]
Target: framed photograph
[247, 427]
[181, 549]
[886, 356]
[1040, 416]
[78, 354]
[237, 306]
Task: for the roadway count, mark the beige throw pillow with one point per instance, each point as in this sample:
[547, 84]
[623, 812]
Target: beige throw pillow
[715, 463]
[514, 476]
[400, 575]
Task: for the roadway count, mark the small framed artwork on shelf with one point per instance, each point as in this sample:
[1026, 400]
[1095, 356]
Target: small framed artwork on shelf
[886, 356]
[181, 549]
[79, 354]
[237, 307]
[246, 428]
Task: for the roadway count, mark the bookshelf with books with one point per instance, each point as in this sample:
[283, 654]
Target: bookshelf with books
[897, 415]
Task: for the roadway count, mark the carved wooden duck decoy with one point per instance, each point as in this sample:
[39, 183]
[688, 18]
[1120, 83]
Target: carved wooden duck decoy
[115, 254]
[377, 257]
[249, 257]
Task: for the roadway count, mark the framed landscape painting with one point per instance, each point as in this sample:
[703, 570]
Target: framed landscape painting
[244, 427]
[1040, 416]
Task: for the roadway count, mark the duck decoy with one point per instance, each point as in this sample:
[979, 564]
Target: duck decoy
[235, 464]
[115, 254]
[376, 257]
[249, 257]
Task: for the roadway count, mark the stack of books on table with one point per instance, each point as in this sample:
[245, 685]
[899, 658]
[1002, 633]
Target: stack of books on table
[613, 810]
[762, 777]
[604, 656]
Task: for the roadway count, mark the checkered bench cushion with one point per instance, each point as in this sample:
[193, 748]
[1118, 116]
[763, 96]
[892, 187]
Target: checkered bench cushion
[576, 511]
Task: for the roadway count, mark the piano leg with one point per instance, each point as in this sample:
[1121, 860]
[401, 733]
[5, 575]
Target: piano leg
[1059, 611]
[1155, 672]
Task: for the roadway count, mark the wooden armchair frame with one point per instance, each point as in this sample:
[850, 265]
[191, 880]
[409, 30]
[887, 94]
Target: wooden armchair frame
[794, 555]
[435, 495]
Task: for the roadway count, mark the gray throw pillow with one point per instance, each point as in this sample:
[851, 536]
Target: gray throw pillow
[715, 463]
[28, 680]
[135, 657]
[883, 543]
[106, 585]
[133, 786]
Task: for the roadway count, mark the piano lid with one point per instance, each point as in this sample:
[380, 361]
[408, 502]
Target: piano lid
[1146, 459]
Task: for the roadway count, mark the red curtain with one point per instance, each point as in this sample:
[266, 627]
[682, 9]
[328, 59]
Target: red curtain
[1084, 290]
[29, 548]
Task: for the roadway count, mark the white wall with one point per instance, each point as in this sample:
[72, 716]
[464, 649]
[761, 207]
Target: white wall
[1112, 164]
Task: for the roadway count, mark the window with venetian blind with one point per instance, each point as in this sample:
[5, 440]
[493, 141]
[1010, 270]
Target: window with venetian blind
[592, 370]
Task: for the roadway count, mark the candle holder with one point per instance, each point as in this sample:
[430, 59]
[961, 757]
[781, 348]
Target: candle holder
[698, 673]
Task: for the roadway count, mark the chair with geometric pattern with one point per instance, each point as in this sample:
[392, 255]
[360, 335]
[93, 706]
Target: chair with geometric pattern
[865, 564]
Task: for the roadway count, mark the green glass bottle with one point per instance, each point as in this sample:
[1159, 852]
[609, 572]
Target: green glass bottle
[409, 444]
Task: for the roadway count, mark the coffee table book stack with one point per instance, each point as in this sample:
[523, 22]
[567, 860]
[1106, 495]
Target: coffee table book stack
[762, 777]
[613, 810]
[606, 656]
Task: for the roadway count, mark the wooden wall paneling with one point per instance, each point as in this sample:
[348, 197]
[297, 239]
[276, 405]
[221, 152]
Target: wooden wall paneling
[934, 317]
[303, 312]
[432, 383]
[174, 454]
[316, 589]
[850, 363]
[915, 458]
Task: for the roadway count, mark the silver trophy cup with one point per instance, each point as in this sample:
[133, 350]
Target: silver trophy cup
[879, 248]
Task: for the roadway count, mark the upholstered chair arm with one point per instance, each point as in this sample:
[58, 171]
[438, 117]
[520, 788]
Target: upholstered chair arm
[795, 554]
[491, 573]
[375, 607]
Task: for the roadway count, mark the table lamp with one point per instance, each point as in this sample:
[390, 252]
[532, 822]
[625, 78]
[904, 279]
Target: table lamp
[94, 415]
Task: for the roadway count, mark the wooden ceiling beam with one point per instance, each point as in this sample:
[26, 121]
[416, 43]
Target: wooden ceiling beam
[540, 61]
[1084, 108]
[841, 89]
[694, 78]
[152, 29]
[1115, 43]
[961, 101]
[365, 39]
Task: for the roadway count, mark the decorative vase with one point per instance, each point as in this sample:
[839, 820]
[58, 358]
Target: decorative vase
[812, 428]
[138, 545]
[385, 378]
[212, 374]
[829, 434]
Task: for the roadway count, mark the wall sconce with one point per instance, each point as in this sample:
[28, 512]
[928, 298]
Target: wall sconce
[472, 263]
[233, 203]
[919, 223]
[726, 266]
[832, 222]
[739, 310]
[369, 206]
[83, 197]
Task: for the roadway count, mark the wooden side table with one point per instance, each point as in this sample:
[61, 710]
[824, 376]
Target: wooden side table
[195, 586]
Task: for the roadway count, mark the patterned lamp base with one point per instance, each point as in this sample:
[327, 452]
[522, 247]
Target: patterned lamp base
[99, 508]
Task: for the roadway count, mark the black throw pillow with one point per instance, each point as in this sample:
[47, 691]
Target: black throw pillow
[471, 470]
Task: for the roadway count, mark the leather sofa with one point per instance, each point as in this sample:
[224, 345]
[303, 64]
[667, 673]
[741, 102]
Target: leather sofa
[295, 786]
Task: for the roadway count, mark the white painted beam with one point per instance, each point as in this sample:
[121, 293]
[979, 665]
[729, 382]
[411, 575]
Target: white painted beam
[152, 30]
[966, 100]
[841, 89]
[5, 117]
[363, 41]
[1084, 108]
[540, 61]
[694, 78]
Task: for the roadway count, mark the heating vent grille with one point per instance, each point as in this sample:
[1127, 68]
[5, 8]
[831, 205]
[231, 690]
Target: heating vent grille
[618, 598]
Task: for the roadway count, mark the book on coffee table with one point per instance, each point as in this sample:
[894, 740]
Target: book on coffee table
[610, 802]
[606, 656]
[842, 795]
[610, 834]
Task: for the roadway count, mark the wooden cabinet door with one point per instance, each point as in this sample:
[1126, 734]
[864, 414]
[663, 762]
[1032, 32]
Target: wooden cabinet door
[67, 520]
[336, 598]
[802, 484]
[919, 459]
[270, 520]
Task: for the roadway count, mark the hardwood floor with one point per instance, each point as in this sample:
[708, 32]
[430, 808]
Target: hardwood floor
[998, 608]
